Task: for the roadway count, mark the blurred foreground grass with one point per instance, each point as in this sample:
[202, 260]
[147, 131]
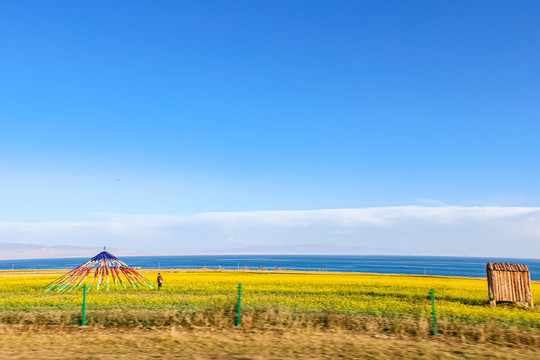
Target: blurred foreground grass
[72, 342]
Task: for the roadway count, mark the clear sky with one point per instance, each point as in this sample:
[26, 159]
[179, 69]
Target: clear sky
[182, 108]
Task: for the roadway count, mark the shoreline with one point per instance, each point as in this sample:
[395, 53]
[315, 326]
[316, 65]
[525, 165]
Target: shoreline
[60, 272]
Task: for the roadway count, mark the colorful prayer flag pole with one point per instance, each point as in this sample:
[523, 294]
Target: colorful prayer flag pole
[104, 266]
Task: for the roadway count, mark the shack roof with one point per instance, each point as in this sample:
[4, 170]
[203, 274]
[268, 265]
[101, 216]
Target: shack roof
[496, 266]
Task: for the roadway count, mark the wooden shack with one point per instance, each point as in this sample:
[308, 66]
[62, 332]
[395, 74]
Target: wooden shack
[509, 282]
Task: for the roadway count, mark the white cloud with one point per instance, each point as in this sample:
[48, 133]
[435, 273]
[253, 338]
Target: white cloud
[441, 230]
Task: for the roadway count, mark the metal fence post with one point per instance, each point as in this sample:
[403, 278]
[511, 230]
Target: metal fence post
[239, 319]
[432, 292]
[84, 306]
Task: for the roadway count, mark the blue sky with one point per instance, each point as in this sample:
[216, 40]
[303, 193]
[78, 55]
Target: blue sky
[183, 108]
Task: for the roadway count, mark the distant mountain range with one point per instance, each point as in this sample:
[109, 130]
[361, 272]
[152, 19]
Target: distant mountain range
[12, 251]
[304, 249]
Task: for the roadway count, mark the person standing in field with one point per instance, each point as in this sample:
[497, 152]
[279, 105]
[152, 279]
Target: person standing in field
[159, 281]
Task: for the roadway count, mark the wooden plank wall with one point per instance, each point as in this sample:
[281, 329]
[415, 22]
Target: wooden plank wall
[510, 286]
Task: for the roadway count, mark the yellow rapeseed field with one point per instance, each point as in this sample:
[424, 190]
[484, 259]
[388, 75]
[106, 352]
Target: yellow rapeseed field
[458, 299]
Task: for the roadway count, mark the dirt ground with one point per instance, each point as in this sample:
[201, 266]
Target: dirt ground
[20, 342]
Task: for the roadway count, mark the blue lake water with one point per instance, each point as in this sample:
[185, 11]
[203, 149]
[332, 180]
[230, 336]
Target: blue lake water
[430, 265]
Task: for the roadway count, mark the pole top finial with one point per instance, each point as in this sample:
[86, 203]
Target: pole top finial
[104, 248]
